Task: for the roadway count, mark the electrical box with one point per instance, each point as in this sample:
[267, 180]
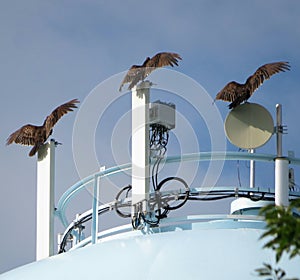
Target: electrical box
[162, 113]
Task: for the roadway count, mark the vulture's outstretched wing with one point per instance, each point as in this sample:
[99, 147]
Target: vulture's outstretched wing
[238, 93]
[160, 60]
[134, 75]
[25, 135]
[61, 110]
[32, 135]
[229, 93]
[139, 72]
[264, 73]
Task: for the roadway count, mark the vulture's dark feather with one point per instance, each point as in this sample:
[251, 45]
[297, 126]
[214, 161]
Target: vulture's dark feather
[138, 73]
[33, 135]
[237, 93]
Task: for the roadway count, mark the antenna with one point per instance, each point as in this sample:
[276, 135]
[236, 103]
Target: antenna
[249, 126]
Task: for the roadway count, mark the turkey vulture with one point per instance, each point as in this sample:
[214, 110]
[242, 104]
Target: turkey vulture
[237, 93]
[36, 136]
[138, 73]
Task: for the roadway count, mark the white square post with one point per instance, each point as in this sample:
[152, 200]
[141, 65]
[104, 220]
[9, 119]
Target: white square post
[45, 201]
[140, 145]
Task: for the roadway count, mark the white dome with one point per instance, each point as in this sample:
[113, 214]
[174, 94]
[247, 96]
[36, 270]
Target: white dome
[221, 249]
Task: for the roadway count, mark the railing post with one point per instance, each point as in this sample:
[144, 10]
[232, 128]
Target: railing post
[252, 170]
[94, 228]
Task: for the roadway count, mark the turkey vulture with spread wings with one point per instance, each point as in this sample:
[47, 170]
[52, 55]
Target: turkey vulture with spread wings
[138, 73]
[237, 93]
[36, 136]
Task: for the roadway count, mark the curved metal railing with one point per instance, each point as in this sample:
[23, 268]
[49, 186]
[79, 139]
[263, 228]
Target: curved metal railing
[92, 214]
[202, 156]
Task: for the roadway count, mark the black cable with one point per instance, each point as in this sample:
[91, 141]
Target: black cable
[223, 196]
[158, 142]
[78, 224]
[159, 138]
[167, 207]
[154, 177]
[162, 205]
[161, 215]
[161, 155]
[211, 198]
[254, 198]
[127, 189]
[150, 222]
[136, 221]
[64, 241]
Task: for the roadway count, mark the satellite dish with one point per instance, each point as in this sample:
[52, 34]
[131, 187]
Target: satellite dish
[249, 126]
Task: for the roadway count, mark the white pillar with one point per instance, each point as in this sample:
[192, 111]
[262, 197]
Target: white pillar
[45, 201]
[281, 165]
[252, 170]
[140, 144]
[281, 182]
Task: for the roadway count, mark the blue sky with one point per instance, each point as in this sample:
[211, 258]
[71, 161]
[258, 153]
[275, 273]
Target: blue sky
[54, 51]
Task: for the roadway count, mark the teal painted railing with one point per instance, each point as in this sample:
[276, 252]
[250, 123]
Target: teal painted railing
[203, 156]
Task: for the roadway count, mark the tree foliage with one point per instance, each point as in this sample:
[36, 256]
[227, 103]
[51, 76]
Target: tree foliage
[283, 231]
[273, 273]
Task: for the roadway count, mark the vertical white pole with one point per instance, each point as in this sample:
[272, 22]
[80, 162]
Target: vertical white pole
[45, 201]
[281, 182]
[140, 145]
[281, 165]
[252, 170]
